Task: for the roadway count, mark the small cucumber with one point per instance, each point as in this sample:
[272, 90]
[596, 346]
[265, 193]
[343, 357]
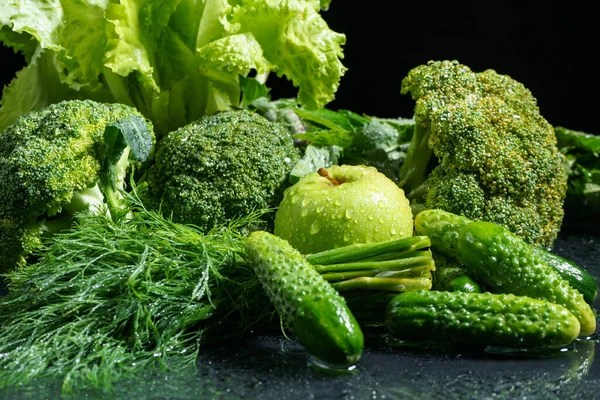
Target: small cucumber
[505, 263]
[312, 309]
[577, 277]
[451, 276]
[491, 319]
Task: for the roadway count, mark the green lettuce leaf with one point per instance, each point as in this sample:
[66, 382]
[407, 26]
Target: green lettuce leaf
[175, 60]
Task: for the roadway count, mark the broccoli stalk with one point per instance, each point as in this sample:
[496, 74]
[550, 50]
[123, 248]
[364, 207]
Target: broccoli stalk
[417, 165]
[125, 138]
[122, 138]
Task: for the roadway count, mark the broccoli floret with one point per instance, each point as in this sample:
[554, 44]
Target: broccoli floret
[222, 166]
[481, 149]
[54, 163]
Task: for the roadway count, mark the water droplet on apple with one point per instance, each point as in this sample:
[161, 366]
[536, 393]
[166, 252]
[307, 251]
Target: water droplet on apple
[295, 199]
[306, 201]
[380, 203]
[349, 213]
[304, 212]
[315, 228]
[393, 231]
[347, 237]
[371, 217]
[320, 208]
[337, 203]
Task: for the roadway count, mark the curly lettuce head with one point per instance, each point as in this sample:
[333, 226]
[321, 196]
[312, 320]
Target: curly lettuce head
[174, 60]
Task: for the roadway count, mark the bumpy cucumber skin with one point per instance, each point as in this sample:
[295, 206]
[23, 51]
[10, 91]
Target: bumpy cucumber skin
[442, 228]
[502, 320]
[505, 263]
[576, 276]
[313, 310]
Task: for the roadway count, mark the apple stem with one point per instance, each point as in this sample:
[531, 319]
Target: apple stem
[323, 172]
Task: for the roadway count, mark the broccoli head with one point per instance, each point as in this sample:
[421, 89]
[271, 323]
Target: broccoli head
[481, 149]
[53, 163]
[224, 165]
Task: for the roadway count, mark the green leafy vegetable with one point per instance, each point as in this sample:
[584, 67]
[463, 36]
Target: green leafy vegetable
[582, 151]
[335, 137]
[69, 156]
[113, 296]
[173, 60]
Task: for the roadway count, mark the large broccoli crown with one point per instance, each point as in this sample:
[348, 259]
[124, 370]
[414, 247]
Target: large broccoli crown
[497, 158]
[46, 157]
[222, 166]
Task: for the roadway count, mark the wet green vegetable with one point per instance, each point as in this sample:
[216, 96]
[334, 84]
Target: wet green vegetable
[313, 310]
[503, 261]
[481, 318]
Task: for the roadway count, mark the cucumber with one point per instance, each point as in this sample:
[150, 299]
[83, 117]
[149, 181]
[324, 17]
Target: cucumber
[451, 276]
[505, 263]
[577, 277]
[503, 320]
[315, 313]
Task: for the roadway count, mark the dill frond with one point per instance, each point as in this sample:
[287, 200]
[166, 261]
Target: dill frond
[112, 296]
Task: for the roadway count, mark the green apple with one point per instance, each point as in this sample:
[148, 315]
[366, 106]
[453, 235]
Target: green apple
[341, 205]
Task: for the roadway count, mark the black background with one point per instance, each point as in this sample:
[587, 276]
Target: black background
[551, 47]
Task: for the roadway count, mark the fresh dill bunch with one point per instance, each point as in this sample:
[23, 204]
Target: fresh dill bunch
[114, 295]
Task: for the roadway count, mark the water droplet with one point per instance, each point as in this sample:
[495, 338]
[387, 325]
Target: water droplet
[306, 201]
[380, 203]
[304, 212]
[393, 231]
[349, 213]
[320, 208]
[315, 228]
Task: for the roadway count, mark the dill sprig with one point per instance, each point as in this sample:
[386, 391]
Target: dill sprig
[114, 295]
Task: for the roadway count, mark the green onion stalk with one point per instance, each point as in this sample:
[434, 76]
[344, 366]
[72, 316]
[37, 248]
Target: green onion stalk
[369, 275]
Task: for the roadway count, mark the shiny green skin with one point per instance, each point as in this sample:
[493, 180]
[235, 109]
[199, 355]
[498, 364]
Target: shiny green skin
[464, 283]
[502, 261]
[313, 310]
[451, 276]
[443, 229]
[577, 277]
[480, 319]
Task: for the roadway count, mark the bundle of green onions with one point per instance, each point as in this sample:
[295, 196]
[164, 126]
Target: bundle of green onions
[114, 295]
[368, 275]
